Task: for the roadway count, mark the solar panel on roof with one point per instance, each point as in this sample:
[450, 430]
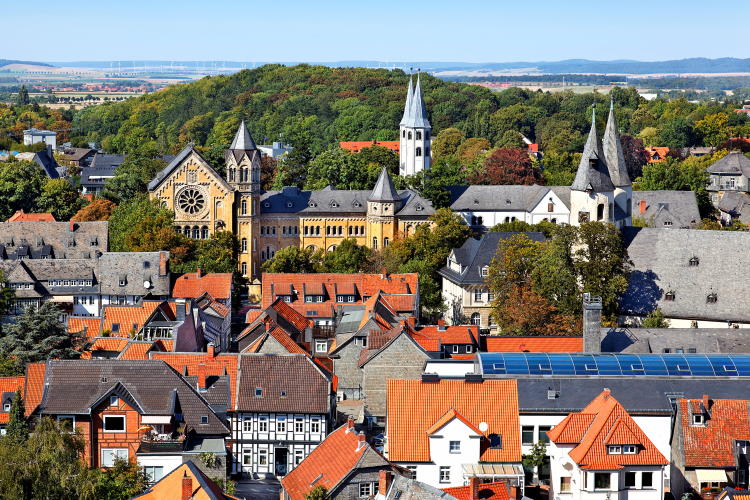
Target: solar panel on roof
[612, 364]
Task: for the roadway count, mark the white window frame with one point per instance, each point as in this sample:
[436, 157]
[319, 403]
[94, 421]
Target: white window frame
[263, 424]
[321, 346]
[444, 474]
[72, 418]
[301, 422]
[698, 419]
[116, 453]
[152, 476]
[113, 400]
[315, 425]
[478, 296]
[281, 424]
[299, 456]
[247, 456]
[455, 349]
[454, 446]
[629, 449]
[124, 423]
[614, 449]
[366, 489]
[262, 456]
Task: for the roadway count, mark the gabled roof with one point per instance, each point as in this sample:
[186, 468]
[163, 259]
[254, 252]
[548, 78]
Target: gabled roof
[733, 163]
[414, 406]
[280, 336]
[486, 491]
[121, 320]
[534, 344]
[712, 444]
[384, 190]
[20, 215]
[603, 422]
[593, 173]
[91, 325]
[34, 387]
[357, 146]
[8, 386]
[242, 139]
[194, 285]
[613, 154]
[170, 486]
[479, 198]
[448, 417]
[435, 336]
[331, 462]
[177, 161]
[671, 209]
[214, 366]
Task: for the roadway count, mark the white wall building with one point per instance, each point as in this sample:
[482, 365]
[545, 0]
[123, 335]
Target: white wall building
[415, 134]
[33, 135]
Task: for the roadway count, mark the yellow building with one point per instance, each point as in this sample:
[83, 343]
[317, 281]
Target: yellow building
[267, 221]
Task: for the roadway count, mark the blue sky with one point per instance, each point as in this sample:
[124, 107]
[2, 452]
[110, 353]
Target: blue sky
[386, 30]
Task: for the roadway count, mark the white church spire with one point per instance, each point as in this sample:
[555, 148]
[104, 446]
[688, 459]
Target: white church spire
[414, 133]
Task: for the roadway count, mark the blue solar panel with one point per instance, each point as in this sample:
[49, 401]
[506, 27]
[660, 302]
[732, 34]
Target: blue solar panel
[562, 364]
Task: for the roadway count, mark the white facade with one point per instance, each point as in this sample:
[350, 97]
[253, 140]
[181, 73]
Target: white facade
[32, 136]
[415, 150]
[272, 444]
[591, 206]
[158, 466]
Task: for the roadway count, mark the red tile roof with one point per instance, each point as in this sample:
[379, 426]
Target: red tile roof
[21, 216]
[328, 464]
[130, 317]
[591, 428]
[712, 445]
[92, 326]
[450, 415]
[656, 153]
[491, 491]
[414, 407]
[34, 389]
[431, 337]
[534, 344]
[170, 486]
[193, 285]
[115, 344]
[137, 350]
[10, 384]
[281, 337]
[357, 146]
[216, 365]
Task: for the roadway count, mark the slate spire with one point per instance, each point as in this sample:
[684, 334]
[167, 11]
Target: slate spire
[593, 174]
[418, 113]
[384, 190]
[407, 106]
[242, 140]
[613, 154]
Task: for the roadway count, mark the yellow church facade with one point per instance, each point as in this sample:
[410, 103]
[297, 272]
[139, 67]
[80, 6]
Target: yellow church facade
[264, 222]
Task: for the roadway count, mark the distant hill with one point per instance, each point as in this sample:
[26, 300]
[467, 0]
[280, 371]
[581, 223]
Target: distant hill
[5, 62]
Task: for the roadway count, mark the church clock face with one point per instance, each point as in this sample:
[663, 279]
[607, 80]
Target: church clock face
[191, 201]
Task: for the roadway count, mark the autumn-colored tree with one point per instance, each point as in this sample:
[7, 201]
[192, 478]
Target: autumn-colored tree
[98, 209]
[267, 168]
[156, 233]
[507, 166]
[471, 150]
[635, 155]
[525, 312]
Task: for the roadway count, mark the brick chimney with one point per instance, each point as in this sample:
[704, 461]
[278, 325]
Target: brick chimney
[72, 226]
[163, 261]
[349, 424]
[642, 207]
[361, 441]
[474, 488]
[199, 272]
[187, 487]
[384, 481]
[705, 401]
[441, 325]
[211, 350]
[200, 372]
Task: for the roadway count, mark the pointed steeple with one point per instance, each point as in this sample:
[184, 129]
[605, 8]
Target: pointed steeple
[407, 106]
[592, 174]
[417, 113]
[384, 190]
[613, 154]
[242, 140]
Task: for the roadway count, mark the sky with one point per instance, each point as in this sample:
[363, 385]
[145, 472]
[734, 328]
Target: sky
[384, 30]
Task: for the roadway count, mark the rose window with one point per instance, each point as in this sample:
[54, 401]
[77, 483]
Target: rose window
[191, 201]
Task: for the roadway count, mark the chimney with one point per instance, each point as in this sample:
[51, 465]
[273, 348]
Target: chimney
[72, 226]
[163, 261]
[514, 492]
[384, 481]
[642, 207]
[267, 322]
[198, 272]
[441, 325]
[200, 372]
[592, 323]
[349, 424]
[361, 441]
[474, 488]
[187, 487]
[211, 350]
[411, 321]
[704, 400]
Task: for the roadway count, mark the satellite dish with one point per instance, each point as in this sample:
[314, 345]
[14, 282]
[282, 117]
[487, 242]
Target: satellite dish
[146, 284]
[483, 426]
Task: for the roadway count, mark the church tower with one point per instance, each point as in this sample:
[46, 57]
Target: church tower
[618, 171]
[243, 174]
[382, 205]
[592, 193]
[414, 134]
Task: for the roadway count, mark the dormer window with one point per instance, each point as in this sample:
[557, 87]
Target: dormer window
[288, 204]
[669, 296]
[312, 204]
[614, 449]
[507, 202]
[357, 204]
[6, 406]
[694, 261]
[629, 449]
[496, 441]
[711, 298]
[699, 419]
[476, 202]
[258, 392]
[333, 204]
[204, 419]
[419, 208]
[485, 271]
[266, 204]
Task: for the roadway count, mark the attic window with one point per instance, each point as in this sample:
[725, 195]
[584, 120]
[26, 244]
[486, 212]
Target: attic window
[357, 204]
[669, 296]
[694, 261]
[283, 394]
[333, 204]
[146, 264]
[103, 380]
[419, 208]
[266, 204]
[667, 223]
[258, 392]
[629, 449]
[699, 419]
[476, 202]
[614, 450]
[204, 419]
[496, 441]
[711, 298]
[485, 271]
[115, 327]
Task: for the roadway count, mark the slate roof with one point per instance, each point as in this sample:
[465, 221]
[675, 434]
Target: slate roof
[661, 263]
[176, 162]
[135, 268]
[47, 162]
[407, 104]
[414, 406]
[671, 209]
[77, 154]
[404, 488]
[712, 444]
[500, 198]
[593, 173]
[194, 285]
[656, 340]
[417, 113]
[604, 421]
[533, 344]
[475, 254]
[73, 387]
[279, 378]
[53, 240]
[384, 190]
[613, 154]
[106, 161]
[242, 139]
[734, 163]
[736, 204]
[331, 462]
[100, 171]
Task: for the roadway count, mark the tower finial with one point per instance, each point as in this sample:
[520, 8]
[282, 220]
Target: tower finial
[611, 103]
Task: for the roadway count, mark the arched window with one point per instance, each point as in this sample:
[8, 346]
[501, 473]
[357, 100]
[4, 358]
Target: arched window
[204, 232]
[403, 133]
[178, 229]
[341, 230]
[408, 135]
[476, 319]
[243, 209]
[385, 242]
[419, 151]
[306, 229]
[243, 175]
[419, 135]
[332, 248]
[232, 174]
[244, 269]
[196, 232]
[600, 211]
[374, 242]
[350, 230]
[186, 231]
[328, 230]
[243, 245]
[317, 230]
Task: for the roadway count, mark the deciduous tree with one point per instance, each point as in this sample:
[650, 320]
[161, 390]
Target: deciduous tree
[98, 209]
[507, 166]
[60, 198]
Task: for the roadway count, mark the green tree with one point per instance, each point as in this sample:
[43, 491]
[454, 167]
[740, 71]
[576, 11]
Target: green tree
[7, 296]
[446, 143]
[21, 185]
[38, 335]
[18, 426]
[121, 482]
[317, 493]
[22, 99]
[655, 319]
[156, 233]
[293, 259]
[537, 456]
[214, 255]
[60, 198]
[338, 168]
[347, 257]
[132, 177]
[676, 133]
[713, 129]
[128, 215]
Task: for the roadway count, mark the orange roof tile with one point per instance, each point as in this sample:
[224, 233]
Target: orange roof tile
[450, 415]
[108, 344]
[170, 486]
[357, 146]
[136, 350]
[216, 365]
[431, 337]
[252, 315]
[534, 344]
[193, 285]
[91, 325]
[414, 406]
[656, 153]
[166, 344]
[327, 464]
[10, 384]
[298, 320]
[21, 216]
[129, 318]
[606, 418]
[34, 389]
[489, 491]
[712, 445]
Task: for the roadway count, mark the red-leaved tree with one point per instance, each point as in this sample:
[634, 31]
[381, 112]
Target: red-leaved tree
[507, 166]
